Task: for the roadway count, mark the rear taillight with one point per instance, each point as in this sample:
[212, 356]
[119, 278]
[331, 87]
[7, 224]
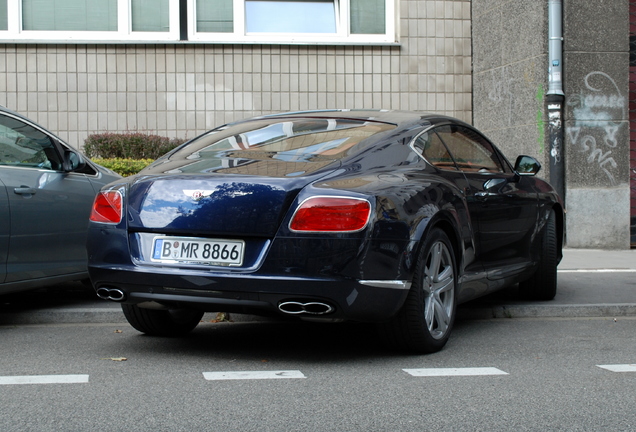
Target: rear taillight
[107, 207]
[331, 214]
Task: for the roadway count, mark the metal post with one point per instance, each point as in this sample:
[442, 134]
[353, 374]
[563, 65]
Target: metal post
[555, 97]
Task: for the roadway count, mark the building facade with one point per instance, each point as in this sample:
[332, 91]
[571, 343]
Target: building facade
[584, 131]
[180, 67]
[180, 88]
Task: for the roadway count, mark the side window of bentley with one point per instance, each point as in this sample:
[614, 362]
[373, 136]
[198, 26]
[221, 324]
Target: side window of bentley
[471, 151]
[434, 151]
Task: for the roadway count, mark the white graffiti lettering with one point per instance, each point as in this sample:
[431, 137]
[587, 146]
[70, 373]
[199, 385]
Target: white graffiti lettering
[604, 101]
[598, 111]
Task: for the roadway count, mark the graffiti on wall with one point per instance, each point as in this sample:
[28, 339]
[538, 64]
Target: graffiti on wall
[503, 87]
[597, 111]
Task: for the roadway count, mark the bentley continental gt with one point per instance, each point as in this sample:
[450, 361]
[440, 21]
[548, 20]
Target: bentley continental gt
[384, 217]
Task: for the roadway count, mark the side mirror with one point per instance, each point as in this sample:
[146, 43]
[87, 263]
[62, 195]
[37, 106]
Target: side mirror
[72, 161]
[527, 165]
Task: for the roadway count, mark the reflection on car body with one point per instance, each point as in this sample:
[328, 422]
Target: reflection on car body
[384, 217]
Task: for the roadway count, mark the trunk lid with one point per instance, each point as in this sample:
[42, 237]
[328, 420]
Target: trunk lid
[209, 204]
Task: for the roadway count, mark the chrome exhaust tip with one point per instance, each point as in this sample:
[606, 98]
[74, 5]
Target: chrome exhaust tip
[113, 294]
[309, 308]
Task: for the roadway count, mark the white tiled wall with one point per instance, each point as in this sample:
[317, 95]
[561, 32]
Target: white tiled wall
[183, 90]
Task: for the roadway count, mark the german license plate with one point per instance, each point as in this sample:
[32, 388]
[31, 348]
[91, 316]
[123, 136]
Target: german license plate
[198, 251]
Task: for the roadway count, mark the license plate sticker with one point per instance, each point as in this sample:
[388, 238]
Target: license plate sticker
[198, 251]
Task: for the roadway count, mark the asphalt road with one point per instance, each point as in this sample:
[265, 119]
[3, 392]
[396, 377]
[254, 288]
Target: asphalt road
[548, 366]
[320, 377]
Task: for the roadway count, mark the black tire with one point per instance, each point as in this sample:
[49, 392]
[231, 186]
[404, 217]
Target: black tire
[543, 284]
[171, 322]
[425, 321]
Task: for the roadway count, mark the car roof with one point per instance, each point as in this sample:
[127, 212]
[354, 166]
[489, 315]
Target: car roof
[7, 110]
[26, 119]
[396, 117]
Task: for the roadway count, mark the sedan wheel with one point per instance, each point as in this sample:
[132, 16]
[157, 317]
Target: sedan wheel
[170, 322]
[426, 319]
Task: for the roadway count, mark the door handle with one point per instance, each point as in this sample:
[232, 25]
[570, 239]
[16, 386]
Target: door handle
[24, 190]
[481, 196]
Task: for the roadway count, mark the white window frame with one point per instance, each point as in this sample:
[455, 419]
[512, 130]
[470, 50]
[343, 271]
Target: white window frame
[342, 35]
[15, 33]
[124, 34]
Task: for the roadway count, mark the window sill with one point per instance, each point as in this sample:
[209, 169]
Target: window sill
[198, 42]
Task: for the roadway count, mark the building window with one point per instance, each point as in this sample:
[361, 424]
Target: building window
[69, 15]
[3, 15]
[286, 16]
[73, 21]
[294, 21]
[150, 15]
[214, 16]
[199, 21]
[367, 16]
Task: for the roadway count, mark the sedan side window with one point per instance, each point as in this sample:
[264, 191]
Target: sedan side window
[472, 152]
[431, 147]
[24, 145]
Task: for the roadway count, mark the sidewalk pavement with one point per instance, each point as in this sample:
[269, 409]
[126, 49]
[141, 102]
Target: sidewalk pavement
[592, 283]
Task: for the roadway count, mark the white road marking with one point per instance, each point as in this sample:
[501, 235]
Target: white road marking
[435, 372]
[597, 271]
[619, 367]
[44, 379]
[248, 375]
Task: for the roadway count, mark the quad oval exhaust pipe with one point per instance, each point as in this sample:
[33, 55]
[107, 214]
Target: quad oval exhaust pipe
[288, 307]
[306, 308]
[113, 294]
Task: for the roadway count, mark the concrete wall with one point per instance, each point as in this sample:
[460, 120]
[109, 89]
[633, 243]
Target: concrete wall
[510, 45]
[183, 90]
[509, 75]
[596, 62]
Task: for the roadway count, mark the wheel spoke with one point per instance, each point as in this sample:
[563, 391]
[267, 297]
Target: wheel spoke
[444, 282]
[435, 255]
[442, 318]
[437, 317]
[429, 314]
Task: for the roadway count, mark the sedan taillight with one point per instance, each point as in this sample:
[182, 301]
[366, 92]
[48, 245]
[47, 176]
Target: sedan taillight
[331, 214]
[107, 207]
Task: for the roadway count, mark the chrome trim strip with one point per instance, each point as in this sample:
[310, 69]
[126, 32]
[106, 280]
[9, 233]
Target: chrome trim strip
[393, 284]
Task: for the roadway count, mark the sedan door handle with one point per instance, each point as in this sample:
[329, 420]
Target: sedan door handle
[24, 190]
[483, 195]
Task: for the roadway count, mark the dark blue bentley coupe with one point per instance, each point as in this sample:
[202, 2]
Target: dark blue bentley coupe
[384, 217]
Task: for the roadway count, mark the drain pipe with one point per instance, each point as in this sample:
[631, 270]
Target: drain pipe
[555, 97]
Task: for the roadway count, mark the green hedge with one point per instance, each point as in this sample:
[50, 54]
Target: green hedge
[128, 153]
[124, 167]
[129, 145]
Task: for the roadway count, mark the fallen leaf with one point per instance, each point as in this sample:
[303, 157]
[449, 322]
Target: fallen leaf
[221, 317]
[118, 331]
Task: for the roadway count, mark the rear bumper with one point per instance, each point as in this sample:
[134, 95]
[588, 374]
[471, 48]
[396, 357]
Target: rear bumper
[366, 301]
